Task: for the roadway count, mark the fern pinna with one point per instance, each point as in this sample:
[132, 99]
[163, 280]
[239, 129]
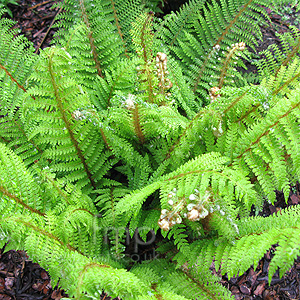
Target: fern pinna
[132, 122]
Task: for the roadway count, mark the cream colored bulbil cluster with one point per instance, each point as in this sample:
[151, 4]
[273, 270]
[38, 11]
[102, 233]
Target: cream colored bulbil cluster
[161, 67]
[192, 209]
[240, 46]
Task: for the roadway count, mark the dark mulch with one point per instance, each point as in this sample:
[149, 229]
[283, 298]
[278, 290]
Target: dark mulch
[21, 279]
[271, 34]
[36, 19]
[253, 284]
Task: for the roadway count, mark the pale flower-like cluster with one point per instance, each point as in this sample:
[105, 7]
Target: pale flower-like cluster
[129, 103]
[213, 93]
[217, 131]
[239, 46]
[192, 209]
[162, 72]
[78, 115]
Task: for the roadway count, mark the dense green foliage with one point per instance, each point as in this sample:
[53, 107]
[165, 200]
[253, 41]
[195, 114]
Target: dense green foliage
[131, 122]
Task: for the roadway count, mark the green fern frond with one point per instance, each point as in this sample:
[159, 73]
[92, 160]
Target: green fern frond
[163, 277]
[60, 100]
[107, 141]
[16, 61]
[275, 57]
[200, 35]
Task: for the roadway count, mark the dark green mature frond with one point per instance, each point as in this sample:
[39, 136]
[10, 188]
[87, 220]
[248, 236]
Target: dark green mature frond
[201, 35]
[277, 56]
[108, 25]
[41, 235]
[168, 283]
[32, 203]
[266, 147]
[185, 98]
[16, 61]
[94, 33]
[73, 140]
[124, 13]
[107, 199]
[176, 24]
[13, 134]
[256, 236]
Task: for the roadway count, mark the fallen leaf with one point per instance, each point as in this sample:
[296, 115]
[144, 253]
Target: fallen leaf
[245, 290]
[260, 288]
[9, 282]
[295, 199]
[56, 295]
[44, 275]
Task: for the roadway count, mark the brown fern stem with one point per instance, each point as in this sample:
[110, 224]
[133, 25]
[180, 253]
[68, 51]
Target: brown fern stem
[289, 57]
[15, 81]
[267, 131]
[286, 84]
[146, 59]
[91, 39]
[68, 126]
[244, 7]
[105, 139]
[49, 235]
[231, 24]
[143, 37]
[157, 294]
[82, 209]
[19, 201]
[84, 271]
[235, 102]
[137, 125]
[202, 286]
[194, 172]
[4, 140]
[248, 113]
[118, 26]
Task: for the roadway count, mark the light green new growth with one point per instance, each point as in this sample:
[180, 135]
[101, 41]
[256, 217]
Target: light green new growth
[133, 122]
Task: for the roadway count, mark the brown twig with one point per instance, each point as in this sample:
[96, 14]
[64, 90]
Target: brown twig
[40, 4]
[41, 43]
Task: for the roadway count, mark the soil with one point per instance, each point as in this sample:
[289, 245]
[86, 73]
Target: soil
[21, 279]
[36, 20]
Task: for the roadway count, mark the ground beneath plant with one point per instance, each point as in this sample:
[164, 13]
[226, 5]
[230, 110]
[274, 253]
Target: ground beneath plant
[21, 279]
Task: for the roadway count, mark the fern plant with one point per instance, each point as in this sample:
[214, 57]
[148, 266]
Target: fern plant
[130, 122]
